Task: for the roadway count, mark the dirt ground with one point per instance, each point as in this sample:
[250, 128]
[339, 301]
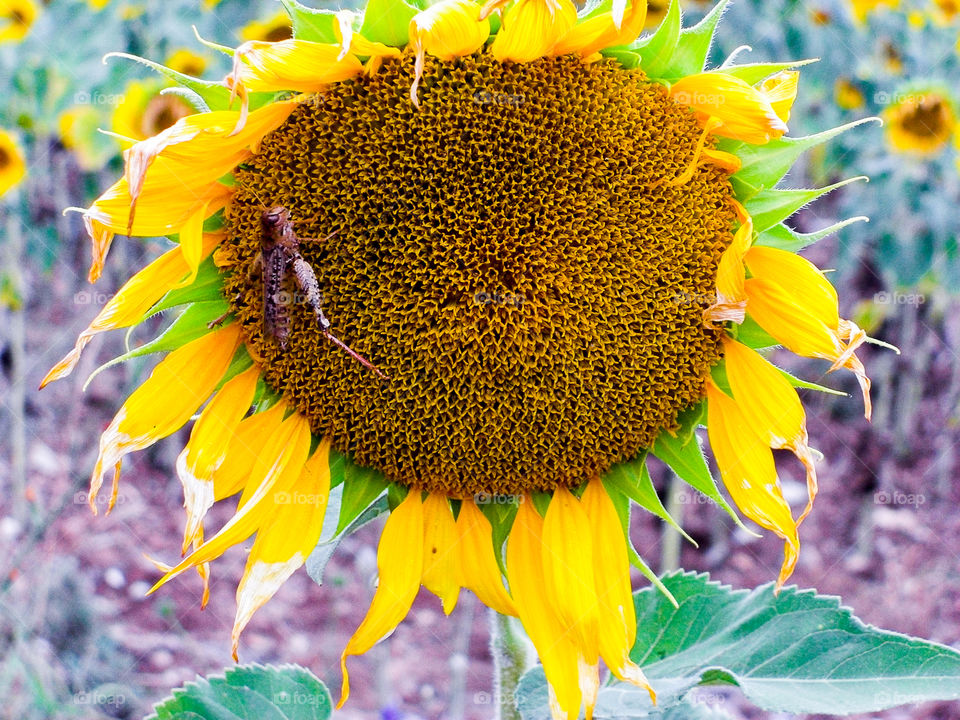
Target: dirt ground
[79, 638]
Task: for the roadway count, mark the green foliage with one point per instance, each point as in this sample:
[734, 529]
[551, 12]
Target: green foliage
[795, 652]
[250, 692]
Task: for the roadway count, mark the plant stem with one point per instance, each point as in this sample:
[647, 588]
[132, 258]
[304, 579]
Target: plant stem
[670, 543]
[509, 663]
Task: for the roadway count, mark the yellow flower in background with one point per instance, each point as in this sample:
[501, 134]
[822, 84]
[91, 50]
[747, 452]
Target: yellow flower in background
[97, 4]
[537, 265]
[16, 19]
[12, 165]
[144, 111]
[187, 62]
[275, 28]
[945, 12]
[847, 94]
[862, 9]
[920, 122]
[77, 129]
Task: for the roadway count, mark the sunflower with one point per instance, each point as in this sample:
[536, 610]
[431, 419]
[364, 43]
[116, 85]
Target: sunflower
[920, 121]
[862, 9]
[16, 19]
[545, 248]
[12, 167]
[272, 29]
[144, 111]
[187, 62]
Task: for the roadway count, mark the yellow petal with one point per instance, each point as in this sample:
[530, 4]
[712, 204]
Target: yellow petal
[808, 286]
[132, 301]
[746, 467]
[554, 644]
[286, 538]
[618, 619]
[728, 162]
[400, 564]
[772, 407]
[298, 65]
[191, 242]
[286, 449]
[178, 385]
[441, 555]
[531, 28]
[619, 26]
[245, 454]
[744, 112]
[478, 563]
[781, 91]
[208, 445]
[447, 30]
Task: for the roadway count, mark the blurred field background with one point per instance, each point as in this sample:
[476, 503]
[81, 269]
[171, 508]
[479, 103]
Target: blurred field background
[78, 637]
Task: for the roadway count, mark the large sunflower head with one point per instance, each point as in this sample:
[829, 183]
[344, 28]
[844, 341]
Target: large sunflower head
[13, 168]
[16, 19]
[482, 259]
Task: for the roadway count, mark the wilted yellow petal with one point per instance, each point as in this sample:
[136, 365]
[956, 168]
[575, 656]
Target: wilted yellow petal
[286, 538]
[441, 555]
[478, 563]
[178, 385]
[619, 26]
[531, 28]
[748, 472]
[745, 113]
[132, 301]
[208, 445]
[400, 564]
[781, 91]
[555, 645]
[298, 65]
[245, 454]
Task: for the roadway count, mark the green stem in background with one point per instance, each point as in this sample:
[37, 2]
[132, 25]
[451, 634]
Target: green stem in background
[509, 649]
[670, 543]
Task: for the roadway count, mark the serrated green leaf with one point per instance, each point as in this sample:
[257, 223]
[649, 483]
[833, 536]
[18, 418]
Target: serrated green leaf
[214, 94]
[752, 73]
[686, 459]
[309, 24]
[763, 166]
[250, 692]
[361, 486]
[190, 325]
[633, 480]
[786, 238]
[656, 51]
[693, 45]
[388, 22]
[769, 207]
[206, 286]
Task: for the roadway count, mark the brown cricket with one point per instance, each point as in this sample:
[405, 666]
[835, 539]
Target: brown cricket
[280, 252]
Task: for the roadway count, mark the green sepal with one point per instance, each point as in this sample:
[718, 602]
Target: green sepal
[752, 335]
[207, 286]
[683, 454]
[309, 24]
[763, 166]
[361, 486]
[806, 385]
[786, 238]
[628, 59]
[192, 324]
[752, 73]
[222, 49]
[501, 517]
[633, 480]
[769, 207]
[693, 46]
[241, 363]
[188, 96]
[214, 94]
[656, 52]
[388, 22]
[541, 501]
[621, 504]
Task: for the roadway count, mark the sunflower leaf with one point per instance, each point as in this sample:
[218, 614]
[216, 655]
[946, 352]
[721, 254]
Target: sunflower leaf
[214, 94]
[264, 692]
[361, 487]
[686, 459]
[753, 73]
[388, 22]
[193, 323]
[657, 51]
[206, 286]
[309, 24]
[763, 166]
[633, 480]
[769, 207]
[795, 652]
[693, 45]
[786, 238]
